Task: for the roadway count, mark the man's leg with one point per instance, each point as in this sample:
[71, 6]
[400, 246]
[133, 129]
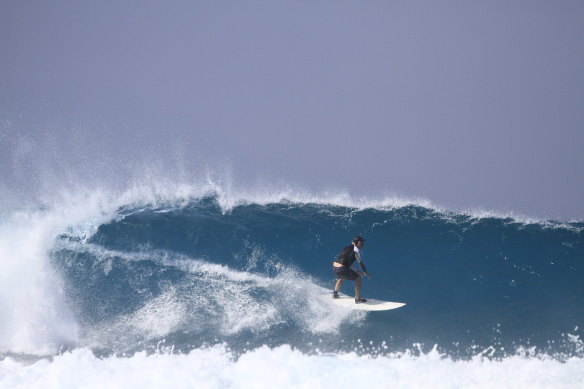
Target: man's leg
[358, 288]
[338, 284]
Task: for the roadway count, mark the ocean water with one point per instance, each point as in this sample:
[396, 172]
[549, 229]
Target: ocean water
[198, 287]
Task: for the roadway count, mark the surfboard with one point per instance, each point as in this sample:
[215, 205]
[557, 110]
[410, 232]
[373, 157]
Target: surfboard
[369, 305]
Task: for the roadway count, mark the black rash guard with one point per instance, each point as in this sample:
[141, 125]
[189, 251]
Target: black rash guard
[348, 256]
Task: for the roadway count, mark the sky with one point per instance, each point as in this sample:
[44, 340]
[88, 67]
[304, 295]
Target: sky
[468, 104]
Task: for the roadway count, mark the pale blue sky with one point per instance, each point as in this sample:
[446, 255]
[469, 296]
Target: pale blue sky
[470, 104]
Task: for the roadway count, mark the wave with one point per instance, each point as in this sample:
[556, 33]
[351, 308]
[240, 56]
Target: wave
[197, 267]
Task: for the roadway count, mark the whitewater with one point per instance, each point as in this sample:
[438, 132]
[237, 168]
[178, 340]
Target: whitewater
[188, 285]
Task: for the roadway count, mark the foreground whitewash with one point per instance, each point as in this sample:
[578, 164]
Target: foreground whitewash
[283, 367]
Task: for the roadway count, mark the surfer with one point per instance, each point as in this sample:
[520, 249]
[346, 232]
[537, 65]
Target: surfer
[344, 270]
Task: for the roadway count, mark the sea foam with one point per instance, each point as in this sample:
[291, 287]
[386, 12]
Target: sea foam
[284, 367]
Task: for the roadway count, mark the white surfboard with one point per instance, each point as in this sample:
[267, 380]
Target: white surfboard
[369, 305]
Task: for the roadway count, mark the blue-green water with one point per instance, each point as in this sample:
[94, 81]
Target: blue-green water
[196, 274]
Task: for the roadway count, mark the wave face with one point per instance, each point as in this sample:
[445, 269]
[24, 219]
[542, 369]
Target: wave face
[191, 275]
[196, 274]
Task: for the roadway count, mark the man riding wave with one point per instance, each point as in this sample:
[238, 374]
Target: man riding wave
[344, 270]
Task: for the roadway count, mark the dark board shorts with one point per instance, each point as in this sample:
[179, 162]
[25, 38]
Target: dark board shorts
[345, 273]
